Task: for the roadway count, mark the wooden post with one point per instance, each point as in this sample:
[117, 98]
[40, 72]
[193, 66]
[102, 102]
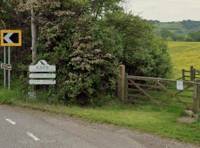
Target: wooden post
[195, 97]
[183, 76]
[126, 89]
[198, 102]
[121, 83]
[198, 99]
[194, 73]
[191, 73]
[34, 39]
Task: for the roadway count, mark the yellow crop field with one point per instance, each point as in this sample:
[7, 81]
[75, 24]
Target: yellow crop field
[184, 55]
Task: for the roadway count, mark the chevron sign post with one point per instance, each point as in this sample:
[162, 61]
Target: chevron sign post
[9, 38]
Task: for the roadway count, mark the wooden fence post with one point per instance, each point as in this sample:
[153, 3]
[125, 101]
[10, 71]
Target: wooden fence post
[195, 103]
[121, 83]
[194, 73]
[198, 99]
[191, 73]
[126, 89]
[198, 102]
[183, 76]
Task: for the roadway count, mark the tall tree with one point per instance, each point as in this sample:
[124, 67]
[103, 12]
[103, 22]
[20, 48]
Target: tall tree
[142, 48]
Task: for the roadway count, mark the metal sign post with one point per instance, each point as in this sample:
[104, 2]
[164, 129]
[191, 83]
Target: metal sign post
[9, 70]
[4, 69]
[9, 38]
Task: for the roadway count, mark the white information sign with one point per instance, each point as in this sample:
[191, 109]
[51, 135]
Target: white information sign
[179, 85]
[42, 75]
[44, 82]
[31, 94]
[42, 66]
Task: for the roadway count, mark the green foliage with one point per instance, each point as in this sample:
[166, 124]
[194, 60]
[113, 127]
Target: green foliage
[144, 53]
[195, 36]
[159, 62]
[24, 85]
[83, 55]
[167, 35]
[189, 39]
[7, 96]
[180, 38]
[174, 28]
[190, 25]
[92, 70]
[5, 11]
[87, 50]
[181, 28]
[169, 38]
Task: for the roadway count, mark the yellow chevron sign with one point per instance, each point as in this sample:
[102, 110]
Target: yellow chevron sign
[11, 38]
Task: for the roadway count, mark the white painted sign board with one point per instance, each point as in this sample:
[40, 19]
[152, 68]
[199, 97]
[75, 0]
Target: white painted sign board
[42, 75]
[179, 85]
[42, 66]
[44, 82]
[31, 94]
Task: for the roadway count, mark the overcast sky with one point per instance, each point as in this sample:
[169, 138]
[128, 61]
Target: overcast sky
[165, 10]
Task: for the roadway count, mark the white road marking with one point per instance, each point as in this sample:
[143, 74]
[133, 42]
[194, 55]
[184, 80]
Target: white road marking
[12, 122]
[32, 136]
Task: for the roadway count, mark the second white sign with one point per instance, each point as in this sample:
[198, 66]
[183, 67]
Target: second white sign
[44, 82]
[42, 75]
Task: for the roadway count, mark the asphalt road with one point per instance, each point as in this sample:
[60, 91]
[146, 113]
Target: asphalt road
[26, 128]
[20, 130]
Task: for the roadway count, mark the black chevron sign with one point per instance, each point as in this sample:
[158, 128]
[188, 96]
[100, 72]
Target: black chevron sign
[11, 38]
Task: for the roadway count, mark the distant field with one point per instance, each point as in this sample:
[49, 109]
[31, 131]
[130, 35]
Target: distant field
[185, 34]
[172, 28]
[174, 25]
[184, 55]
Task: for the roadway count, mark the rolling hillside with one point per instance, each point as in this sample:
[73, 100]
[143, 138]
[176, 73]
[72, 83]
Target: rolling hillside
[181, 28]
[176, 28]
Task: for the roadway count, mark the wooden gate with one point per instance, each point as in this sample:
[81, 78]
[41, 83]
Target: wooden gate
[141, 95]
[190, 105]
